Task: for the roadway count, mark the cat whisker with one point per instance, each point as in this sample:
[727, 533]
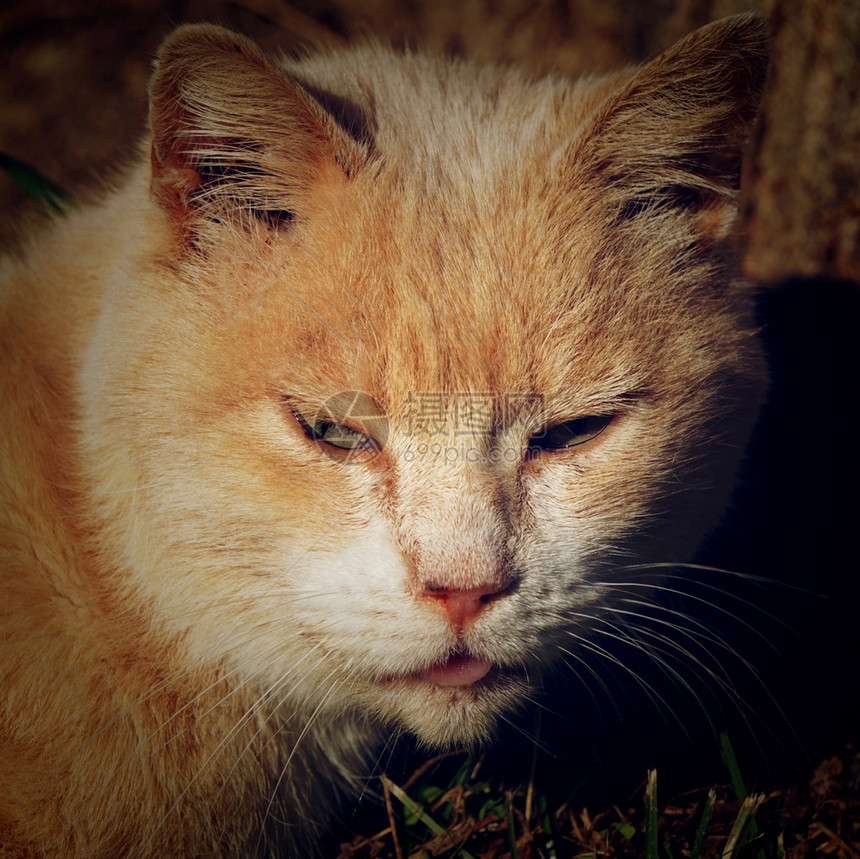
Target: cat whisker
[179, 674]
[144, 745]
[696, 627]
[620, 635]
[701, 660]
[239, 670]
[711, 604]
[304, 732]
[673, 647]
[695, 567]
[626, 634]
[532, 738]
[628, 638]
[223, 744]
[275, 691]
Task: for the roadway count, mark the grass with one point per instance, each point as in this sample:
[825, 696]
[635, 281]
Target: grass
[46, 194]
[467, 816]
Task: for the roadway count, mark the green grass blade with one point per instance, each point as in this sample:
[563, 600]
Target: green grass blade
[704, 823]
[46, 193]
[651, 848]
[410, 805]
[546, 823]
[464, 773]
[731, 762]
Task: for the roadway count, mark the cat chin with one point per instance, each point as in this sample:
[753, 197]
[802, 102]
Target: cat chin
[442, 716]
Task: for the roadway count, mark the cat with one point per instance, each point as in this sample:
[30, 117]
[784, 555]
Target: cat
[337, 417]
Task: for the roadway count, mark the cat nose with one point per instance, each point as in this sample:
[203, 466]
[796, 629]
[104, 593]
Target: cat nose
[463, 606]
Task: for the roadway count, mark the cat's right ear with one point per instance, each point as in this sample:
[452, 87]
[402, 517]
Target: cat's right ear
[234, 138]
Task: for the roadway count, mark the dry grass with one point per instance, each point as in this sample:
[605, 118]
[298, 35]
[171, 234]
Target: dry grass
[467, 816]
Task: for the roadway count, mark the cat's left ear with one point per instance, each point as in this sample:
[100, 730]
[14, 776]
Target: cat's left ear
[234, 137]
[673, 136]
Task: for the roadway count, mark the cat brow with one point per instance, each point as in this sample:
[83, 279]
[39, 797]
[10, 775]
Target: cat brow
[322, 320]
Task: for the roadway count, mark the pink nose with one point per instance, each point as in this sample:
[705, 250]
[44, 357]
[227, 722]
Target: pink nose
[463, 606]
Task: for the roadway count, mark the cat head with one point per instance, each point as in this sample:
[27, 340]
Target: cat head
[414, 356]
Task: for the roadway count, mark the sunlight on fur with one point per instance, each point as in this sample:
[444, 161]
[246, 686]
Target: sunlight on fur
[225, 582]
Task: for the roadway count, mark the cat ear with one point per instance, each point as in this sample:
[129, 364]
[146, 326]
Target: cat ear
[674, 135]
[234, 136]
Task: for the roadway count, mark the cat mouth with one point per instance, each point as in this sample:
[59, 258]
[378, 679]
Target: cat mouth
[457, 671]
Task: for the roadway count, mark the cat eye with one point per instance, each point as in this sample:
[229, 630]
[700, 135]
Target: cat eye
[349, 426]
[335, 434]
[570, 434]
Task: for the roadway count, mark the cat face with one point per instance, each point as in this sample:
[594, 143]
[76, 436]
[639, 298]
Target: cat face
[424, 371]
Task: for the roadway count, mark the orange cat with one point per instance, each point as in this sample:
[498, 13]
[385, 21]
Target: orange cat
[339, 414]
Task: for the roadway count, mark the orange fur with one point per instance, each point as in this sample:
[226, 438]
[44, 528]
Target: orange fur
[207, 616]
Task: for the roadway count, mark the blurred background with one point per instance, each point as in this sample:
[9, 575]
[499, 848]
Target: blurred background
[74, 74]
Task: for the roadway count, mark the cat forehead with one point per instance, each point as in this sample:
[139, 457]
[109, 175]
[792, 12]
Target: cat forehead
[467, 306]
[466, 224]
[462, 203]
[441, 116]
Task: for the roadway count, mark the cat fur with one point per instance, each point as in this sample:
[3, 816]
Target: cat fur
[207, 621]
